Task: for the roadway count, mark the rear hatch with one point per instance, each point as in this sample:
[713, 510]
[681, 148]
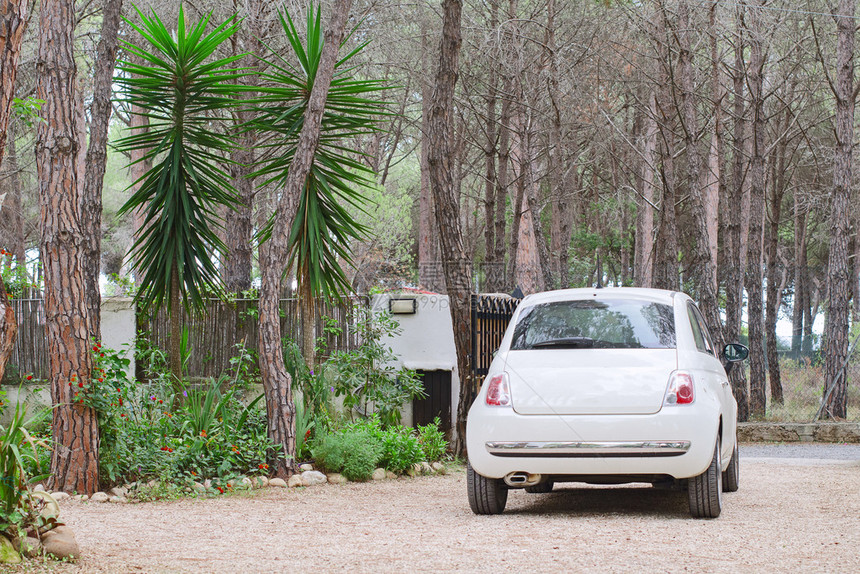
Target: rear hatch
[589, 381]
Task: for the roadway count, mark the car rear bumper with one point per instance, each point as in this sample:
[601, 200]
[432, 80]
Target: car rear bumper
[677, 442]
[591, 449]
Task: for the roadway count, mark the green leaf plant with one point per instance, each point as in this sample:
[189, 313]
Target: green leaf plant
[323, 230]
[185, 91]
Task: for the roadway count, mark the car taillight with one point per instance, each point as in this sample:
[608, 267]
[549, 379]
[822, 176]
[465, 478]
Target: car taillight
[498, 391]
[680, 390]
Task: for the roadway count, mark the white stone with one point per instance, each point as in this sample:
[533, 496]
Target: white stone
[391, 475]
[197, 486]
[306, 467]
[39, 488]
[246, 482]
[207, 483]
[439, 468]
[378, 474]
[60, 495]
[312, 477]
[99, 497]
[118, 491]
[262, 481]
[60, 542]
[117, 499]
[426, 468]
[337, 479]
[278, 482]
[295, 481]
[81, 497]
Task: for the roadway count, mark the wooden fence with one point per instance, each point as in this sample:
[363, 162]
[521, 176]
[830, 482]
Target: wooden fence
[213, 335]
[30, 353]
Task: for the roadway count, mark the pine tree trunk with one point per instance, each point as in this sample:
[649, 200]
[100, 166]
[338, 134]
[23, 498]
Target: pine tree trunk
[8, 326]
[704, 276]
[96, 160]
[643, 257]
[430, 271]
[490, 265]
[758, 382]
[799, 263]
[74, 462]
[733, 245]
[277, 383]
[838, 268]
[457, 265]
[15, 17]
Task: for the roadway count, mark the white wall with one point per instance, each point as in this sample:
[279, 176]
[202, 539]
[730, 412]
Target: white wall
[425, 341]
[119, 326]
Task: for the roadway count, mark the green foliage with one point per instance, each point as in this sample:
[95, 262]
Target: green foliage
[361, 446]
[143, 436]
[185, 93]
[324, 228]
[18, 510]
[432, 441]
[353, 453]
[365, 377]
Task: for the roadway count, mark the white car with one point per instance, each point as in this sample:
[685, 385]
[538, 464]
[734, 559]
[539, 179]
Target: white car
[605, 386]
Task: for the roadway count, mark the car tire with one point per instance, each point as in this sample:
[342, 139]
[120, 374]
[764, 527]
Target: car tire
[706, 490]
[486, 495]
[541, 487]
[732, 474]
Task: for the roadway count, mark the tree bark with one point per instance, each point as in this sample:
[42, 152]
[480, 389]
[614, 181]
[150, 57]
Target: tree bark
[457, 266]
[704, 276]
[666, 272]
[799, 288]
[12, 26]
[734, 248]
[96, 160]
[758, 381]
[490, 265]
[8, 326]
[838, 268]
[643, 256]
[774, 269]
[277, 382]
[430, 272]
[238, 224]
[74, 462]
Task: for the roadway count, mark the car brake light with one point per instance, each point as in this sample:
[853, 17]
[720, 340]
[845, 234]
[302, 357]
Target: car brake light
[680, 390]
[498, 391]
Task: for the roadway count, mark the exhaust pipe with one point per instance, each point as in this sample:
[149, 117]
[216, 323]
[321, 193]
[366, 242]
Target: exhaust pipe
[521, 479]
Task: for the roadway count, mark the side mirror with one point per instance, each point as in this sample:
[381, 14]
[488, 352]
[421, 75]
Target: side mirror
[735, 352]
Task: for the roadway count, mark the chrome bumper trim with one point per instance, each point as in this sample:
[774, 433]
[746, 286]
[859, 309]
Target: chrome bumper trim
[621, 449]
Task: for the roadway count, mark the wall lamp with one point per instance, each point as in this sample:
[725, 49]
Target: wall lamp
[405, 306]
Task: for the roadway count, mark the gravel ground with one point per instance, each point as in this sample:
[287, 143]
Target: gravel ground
[785, 517]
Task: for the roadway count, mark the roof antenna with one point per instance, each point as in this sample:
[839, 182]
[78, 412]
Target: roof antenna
[599, 273]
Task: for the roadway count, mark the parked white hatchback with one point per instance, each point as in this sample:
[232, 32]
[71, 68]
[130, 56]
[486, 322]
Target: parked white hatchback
[605, 386]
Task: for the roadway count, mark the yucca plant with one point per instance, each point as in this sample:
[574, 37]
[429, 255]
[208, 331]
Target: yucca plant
[16, 505]
[324, 228]
[186, 91]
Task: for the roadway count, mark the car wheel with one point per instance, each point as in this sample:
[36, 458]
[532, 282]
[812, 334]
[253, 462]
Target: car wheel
[541, 487]
[706, 490]
[732, 473]
[486, 495]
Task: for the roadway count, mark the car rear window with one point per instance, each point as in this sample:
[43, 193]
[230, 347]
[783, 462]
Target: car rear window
[594, 323]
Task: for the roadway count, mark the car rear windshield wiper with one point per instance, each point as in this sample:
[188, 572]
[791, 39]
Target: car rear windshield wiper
[566, 343]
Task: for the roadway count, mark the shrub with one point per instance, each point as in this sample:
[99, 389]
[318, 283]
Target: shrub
[432, 441]
[353, 453]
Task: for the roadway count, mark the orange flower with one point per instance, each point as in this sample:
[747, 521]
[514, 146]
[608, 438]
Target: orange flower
[203, 433]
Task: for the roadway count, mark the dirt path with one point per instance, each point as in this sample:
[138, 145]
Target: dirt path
[785, 517]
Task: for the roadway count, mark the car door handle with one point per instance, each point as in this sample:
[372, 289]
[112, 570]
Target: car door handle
[725, 383]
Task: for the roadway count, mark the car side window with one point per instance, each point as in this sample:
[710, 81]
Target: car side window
[700, 330]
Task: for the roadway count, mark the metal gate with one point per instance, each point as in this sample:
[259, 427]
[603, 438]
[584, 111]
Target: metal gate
[436, 403]
[490, 317]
